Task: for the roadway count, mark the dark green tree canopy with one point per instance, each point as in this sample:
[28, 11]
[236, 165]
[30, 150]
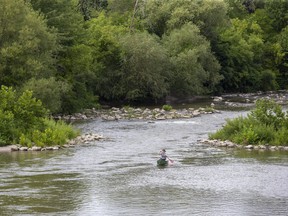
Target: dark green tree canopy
[26, 44]
[73, 52]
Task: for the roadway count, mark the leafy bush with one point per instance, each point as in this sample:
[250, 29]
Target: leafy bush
[49, 91]
[266, 124]
[24, 120]
[281, 137]
[55, 133]
[267, 112]
[246, 136]
[167, 107]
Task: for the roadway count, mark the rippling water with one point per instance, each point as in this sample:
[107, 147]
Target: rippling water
[119, 176]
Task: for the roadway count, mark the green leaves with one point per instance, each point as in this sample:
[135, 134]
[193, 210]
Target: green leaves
[242, 47]
[49, 91]
[145, 67]
[193, 62]
[269, 113]
[265, 124]
[23, 119]
[19, 114]
[26, 43]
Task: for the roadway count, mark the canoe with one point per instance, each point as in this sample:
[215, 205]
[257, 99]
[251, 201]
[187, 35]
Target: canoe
[161, 162]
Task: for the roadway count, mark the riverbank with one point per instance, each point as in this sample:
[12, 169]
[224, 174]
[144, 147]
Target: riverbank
[114, 114]
[83, 139]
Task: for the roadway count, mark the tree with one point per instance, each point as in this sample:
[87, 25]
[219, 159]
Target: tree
[103, 39]
[74, 59]
[163, 16]
[278, 12]
[49, 91]
[145, 68]
[241, 51]
[26, 44]
[211, 17]
[121, 7]
[195, 68]
[282, 57]
[87, 6]
[18, 114]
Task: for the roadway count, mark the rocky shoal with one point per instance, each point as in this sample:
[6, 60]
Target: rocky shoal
[114, 114]
[229, 144]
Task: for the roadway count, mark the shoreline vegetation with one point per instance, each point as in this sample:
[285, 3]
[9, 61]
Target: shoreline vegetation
[26, 123]
[264, 107]
[113, 114]
[264, 127]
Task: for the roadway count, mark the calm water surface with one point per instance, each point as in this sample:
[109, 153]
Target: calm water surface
[119, 176]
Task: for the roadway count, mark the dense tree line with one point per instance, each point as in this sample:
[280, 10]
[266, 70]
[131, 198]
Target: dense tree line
[71, 53]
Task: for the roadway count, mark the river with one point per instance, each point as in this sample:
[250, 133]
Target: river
[119, 176]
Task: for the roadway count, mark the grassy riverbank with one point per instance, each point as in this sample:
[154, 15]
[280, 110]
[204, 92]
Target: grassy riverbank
[266, 124]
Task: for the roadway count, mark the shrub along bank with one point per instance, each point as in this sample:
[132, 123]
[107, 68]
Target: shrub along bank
[267, 124]
[25, 121]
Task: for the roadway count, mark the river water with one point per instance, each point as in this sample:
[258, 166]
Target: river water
[119, 176]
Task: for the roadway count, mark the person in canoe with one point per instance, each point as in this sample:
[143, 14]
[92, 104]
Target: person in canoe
[164, 159]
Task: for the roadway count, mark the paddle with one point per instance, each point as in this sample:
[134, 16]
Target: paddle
[172, 161]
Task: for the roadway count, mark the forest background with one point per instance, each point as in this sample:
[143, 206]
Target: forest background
[74, 54]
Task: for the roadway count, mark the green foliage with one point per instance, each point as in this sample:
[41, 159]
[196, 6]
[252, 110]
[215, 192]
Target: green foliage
[6, 126]
[145, 67]
[278, 12]
[26, 44]
[246, 136]
[266, 124]
[55, 133]
[167, 107]
[24, 120]
[122, 6]
[269, 113]
[23, 140]
[281, 137]
[72, 52]
[106, 55]
[74, 58]
[49, 91]
[242, 50]
[209, 109]
[28, 112]
[162, 17]
[195, 69]
[86, 7]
